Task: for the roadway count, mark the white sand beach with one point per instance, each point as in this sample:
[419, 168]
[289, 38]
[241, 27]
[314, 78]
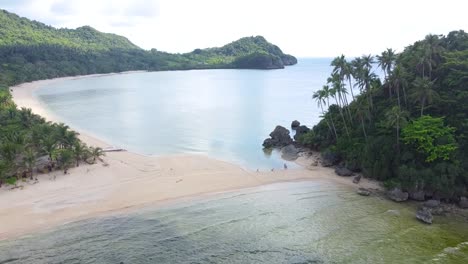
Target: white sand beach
[128, 180]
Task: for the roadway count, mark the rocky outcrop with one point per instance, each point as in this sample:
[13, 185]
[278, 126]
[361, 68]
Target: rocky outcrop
[342, 171]
[295, 124]
[397, 195]
[357, 179]
[290, 152]
[363, 192]
[288, 59]
[329, 159]
[463, 203]
[301, 130]
[417, 195]
[424, 215]
[278, 138]
[432, 203]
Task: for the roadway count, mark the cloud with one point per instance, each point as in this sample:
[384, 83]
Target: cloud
[299, 27]
[63, 7]
[142, 8]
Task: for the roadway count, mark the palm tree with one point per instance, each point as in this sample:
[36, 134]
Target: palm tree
[386, 61]
[361, 113]
[423, 92]
[396, 118]
[433, 50]
[79, 152]
[398, 82]
[29, 160]
[319, 96]
[349, 72]
[49, 145]
[97, 153]
[335, 92]
[64, 158]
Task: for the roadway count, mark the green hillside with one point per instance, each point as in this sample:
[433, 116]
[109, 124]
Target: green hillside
[31, 50]
[16, 30]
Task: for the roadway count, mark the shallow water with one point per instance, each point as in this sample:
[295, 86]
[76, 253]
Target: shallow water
[223, 113]
[301, 222]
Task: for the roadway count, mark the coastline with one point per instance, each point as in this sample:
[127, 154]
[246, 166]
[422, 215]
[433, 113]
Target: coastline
[129, 180]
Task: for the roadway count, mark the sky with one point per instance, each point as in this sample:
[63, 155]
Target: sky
[304, 28]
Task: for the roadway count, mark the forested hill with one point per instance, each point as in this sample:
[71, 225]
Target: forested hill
[30, 50]
[408, 127]
[16, 31]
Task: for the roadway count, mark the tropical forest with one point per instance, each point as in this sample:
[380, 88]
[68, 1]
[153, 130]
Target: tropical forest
[404, 123]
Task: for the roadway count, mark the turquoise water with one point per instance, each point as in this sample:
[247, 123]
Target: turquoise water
[225, 114]
[303, 222]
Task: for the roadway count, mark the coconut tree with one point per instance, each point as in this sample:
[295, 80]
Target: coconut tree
[320, 96]
[29, 160]
[423, 92]
[79, 152]
[335, 93]
[397, 80]
[396, 118]
[97, 153]
[360, 111]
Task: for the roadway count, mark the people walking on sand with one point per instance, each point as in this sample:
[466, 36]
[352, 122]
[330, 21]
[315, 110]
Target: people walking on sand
[285, 166]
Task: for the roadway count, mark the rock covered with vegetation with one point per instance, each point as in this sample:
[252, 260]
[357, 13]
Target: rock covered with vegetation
[408, 127]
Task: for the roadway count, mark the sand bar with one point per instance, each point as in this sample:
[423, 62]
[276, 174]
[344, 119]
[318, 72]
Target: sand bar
[129, 181]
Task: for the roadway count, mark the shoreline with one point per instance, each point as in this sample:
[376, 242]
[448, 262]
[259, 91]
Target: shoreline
[129, 181]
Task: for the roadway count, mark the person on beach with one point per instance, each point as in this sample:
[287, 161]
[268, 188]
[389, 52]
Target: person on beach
[285, 166]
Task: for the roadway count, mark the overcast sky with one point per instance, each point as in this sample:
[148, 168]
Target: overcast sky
[305, 28]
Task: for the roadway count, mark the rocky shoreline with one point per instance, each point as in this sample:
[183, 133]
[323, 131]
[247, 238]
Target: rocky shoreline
[427, 204]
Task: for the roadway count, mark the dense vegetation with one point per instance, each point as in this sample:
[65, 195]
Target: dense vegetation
[29, 144]
[408, 127]
[30, 50]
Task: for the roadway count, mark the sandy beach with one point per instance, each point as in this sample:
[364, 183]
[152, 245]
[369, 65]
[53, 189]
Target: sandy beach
[128, 180]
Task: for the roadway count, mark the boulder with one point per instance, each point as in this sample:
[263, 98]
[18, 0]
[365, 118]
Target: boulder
[290, 152]
[463, 203]
[301, 130]
[363, 192]
[424, 215]
[397, 195]
[279, 138]
[342, 171]
[357, 179]
[417, 195]
[295, 124]
[329, 159]
[432, 203]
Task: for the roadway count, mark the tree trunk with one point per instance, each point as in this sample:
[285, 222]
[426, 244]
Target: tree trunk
[423, 101]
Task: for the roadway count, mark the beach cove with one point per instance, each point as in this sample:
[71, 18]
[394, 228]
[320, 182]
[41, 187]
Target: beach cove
[127, 180]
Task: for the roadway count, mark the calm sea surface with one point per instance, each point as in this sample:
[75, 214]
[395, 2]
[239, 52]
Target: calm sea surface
[226, 114]
[304, 222]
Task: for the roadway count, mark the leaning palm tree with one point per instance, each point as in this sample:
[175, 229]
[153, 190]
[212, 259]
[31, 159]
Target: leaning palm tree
[319, 96]
[423, 92]
[396, 118]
